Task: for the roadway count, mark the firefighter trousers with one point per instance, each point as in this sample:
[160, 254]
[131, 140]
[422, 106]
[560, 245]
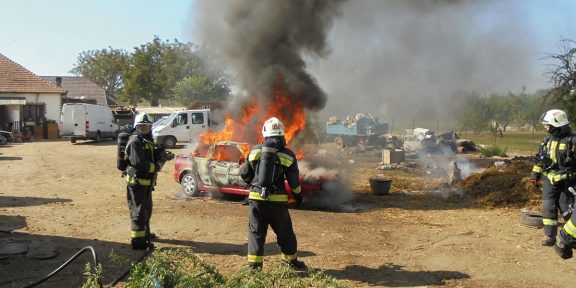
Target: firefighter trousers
[140, 206]
[555, 197]
[262, 214]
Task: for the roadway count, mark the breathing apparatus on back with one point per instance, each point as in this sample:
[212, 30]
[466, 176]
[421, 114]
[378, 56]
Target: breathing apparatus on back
[267, 167]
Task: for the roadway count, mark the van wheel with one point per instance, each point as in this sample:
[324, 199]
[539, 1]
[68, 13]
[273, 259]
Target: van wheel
[169, 142]
[190, 184]
[72, 140]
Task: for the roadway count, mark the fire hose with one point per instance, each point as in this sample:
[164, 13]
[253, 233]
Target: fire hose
[95, 265]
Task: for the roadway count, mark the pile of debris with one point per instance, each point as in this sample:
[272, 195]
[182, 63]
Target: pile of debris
[504, 186]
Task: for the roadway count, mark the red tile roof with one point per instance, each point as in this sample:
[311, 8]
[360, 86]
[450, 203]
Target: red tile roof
[16, 79]
[80, 88]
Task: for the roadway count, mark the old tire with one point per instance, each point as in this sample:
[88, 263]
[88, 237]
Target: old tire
[531, 219]
[189, 184]
[169, 142]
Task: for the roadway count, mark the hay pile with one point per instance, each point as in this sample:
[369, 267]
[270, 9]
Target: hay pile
[505, 186]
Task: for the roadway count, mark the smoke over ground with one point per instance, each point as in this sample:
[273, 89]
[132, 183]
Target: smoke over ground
[407, 58]
[262, 40]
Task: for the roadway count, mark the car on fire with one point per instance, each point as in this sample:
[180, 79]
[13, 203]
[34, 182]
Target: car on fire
[216, 168]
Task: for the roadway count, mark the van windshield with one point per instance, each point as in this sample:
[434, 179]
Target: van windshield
[160, 121]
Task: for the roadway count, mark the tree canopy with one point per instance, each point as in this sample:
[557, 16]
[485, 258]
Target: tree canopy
[155, 71]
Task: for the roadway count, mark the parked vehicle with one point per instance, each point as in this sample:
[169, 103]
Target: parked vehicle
[181, 126]
[217, 169]
[357, 130]
[81, 121]
[9, 136]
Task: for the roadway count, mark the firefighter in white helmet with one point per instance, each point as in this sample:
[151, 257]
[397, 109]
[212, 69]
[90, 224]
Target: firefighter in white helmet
[143, 161]
[268, 165]
[555, 168]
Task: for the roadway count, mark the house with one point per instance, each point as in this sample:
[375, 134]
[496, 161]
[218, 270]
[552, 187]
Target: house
[79, 89]
[26, 100]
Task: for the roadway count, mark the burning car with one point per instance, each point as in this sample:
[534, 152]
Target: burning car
[216, 168]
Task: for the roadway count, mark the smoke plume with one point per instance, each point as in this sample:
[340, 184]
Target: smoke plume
[262, 40]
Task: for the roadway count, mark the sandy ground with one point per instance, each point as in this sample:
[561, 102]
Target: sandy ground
[57, 197]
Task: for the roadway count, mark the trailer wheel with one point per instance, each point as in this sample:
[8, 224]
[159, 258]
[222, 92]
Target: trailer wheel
[169, 142]
[339, 142]
[531, 219]
[190, 184]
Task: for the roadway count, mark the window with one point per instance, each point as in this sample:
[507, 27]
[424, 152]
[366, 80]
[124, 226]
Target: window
[197, 118]
[181, 119]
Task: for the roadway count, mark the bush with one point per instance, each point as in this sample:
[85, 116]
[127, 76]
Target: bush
[493, 150]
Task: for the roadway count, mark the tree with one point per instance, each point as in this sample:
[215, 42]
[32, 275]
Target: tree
[197, 87]
[156, 67]
[476, 113]
[104, 67]
[562, 75]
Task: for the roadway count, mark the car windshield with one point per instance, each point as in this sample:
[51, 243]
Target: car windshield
[160, 121]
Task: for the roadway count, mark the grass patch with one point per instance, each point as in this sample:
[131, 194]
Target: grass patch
[179, 268]
[493, 150]
[524, 143]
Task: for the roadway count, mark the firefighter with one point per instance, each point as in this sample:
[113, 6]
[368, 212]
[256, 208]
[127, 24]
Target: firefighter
[268, 165]
[143, 161]
[554, 168]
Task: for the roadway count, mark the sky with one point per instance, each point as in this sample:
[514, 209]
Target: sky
[381, 49]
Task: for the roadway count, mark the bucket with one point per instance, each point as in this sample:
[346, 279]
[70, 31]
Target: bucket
[380, 186]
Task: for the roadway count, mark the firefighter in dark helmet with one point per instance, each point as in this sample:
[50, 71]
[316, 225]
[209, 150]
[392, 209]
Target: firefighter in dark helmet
[268, 165]
[555, 168]
[143, 161]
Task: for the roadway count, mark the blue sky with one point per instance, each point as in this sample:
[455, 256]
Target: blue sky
[47, 36]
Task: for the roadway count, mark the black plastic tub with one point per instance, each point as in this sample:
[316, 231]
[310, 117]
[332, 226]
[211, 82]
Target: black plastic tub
[380, 186]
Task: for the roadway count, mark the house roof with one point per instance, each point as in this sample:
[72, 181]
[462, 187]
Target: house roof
[16, 79]
[80, 88]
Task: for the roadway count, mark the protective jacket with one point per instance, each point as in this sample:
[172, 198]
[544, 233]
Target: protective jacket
[555, 156]
[141, 163]
[285, 167]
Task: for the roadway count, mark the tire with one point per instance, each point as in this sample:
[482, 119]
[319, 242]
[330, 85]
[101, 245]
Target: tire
[531, 219]
[189, 184]
[72, 140]
[169, 142]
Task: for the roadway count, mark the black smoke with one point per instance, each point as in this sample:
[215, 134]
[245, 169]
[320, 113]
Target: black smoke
[262, 40]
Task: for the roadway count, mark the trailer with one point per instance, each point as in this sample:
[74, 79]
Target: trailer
[360, 132]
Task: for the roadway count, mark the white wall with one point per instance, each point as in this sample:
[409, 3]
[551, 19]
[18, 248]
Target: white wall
[53, 105]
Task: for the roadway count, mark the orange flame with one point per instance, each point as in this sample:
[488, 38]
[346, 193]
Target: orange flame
[253, 115]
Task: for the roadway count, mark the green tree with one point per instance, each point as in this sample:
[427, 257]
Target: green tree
[156, 67]
[196, 87]
[104, 67]
[562, 75]
[476, 113]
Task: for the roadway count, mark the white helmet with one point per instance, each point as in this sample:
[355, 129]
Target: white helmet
[555, 117]
[273, 127]
[142, 119]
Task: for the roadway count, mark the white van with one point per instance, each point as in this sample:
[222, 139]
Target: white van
[181, 126]
[81, 121]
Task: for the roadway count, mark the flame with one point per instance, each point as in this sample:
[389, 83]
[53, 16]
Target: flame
[247, 126]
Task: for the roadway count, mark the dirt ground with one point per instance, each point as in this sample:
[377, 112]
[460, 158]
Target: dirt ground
[57, 197]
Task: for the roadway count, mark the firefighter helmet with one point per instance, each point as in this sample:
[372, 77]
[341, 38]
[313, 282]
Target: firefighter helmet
[273, 127]
[142, 119]
[555, 117]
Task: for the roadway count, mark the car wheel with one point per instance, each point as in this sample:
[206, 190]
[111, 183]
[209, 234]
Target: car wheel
[189, 184]
[532, 219]
[169, 142]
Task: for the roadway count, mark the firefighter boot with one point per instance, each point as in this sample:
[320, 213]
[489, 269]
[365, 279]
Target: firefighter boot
[255, 266]
[140, 244]
[564, 245]
[549, 241]
[296, 264]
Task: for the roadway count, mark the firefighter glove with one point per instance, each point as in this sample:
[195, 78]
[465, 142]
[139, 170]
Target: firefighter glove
[298, 197]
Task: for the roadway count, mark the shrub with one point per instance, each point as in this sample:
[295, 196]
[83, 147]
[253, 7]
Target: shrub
[493, 150]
